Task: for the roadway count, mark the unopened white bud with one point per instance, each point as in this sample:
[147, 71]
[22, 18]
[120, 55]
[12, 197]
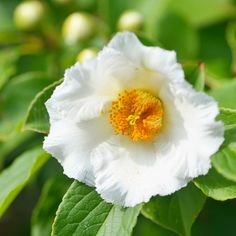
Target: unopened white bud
[86, 54]
[28, 15]
[130, 21]
[78, 27]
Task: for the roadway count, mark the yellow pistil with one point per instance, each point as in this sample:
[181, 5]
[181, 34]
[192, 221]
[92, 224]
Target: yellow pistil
[132, 119]
[136, 113]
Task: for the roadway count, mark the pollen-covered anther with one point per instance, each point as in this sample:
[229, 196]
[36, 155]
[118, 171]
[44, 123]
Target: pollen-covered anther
[137, 113]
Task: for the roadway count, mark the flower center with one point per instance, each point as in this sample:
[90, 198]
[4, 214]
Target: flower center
[136, 113]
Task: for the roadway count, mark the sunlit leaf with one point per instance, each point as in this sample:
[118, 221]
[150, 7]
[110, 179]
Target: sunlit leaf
[37, 118]
[14, 178]
[176, 212]
[216, 186]
[83, 212]
[228, 116]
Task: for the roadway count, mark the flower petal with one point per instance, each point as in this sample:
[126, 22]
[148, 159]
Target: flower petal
[71, 144]
[128, 44]
[152, 58]
[130, 173]
[76, 97]
[204, 135]
[76, 85]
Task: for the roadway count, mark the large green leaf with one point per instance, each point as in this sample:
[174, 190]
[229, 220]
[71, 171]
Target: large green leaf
[45, 210]
[225, 163]
[15, 177]
[216, 186]
[15, 99]
[37, 118]
[83, 212]
[176, 212]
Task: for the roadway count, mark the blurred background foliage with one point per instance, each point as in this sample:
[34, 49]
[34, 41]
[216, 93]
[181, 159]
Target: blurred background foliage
[40, 39]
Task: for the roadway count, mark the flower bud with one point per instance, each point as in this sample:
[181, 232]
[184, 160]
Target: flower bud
[130, 21]
[28, 15]
[86, 54]
[78, 27]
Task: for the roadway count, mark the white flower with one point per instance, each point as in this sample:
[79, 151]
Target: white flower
[129, 124]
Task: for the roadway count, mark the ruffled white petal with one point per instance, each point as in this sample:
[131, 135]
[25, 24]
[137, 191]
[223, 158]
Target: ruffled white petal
[129, 173]
[204, 135]
[152, 58]
[128, 44]
[77, 97]
[71, 144]
[77, 85]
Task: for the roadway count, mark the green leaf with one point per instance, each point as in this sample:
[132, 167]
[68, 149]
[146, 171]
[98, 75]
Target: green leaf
[215, 51]
[83, 212]
[185, 41]
[45, 210]
[13, 144]
[201, 12]
[224, 162]
[195, 75]
[176, 212]
[228, 116]
[14, 178]
[37, 118]
[225, 95]
[216, 186]
[8, 57]
[15, 99]
[145, 227]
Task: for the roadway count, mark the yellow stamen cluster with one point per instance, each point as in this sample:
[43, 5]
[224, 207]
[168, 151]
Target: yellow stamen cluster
[136, 113]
